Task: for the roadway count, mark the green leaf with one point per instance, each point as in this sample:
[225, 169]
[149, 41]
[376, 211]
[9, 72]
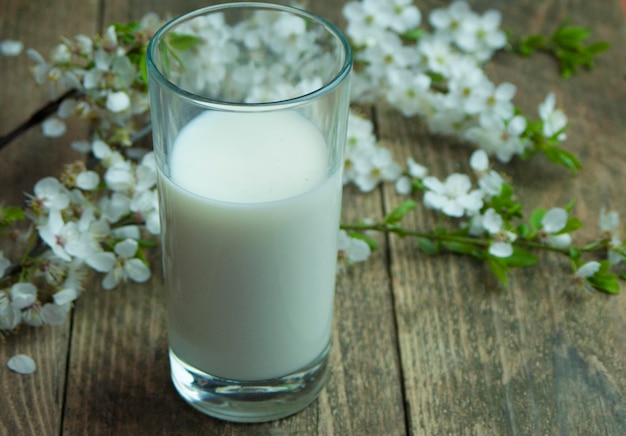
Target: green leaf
[125, 32]
[563, 157]
[498, 268]
[570, 36]
[574, 253]
[427, 246]
[520, 258]
[464, 248]
[523, 231]
[363, 237]
[569, 206]
[605, 281]
[505, 204]
[413, 34]
[183, 41]
[399, 212]
[10, 215]
[572, 224]
[143, 66]
[528, 45]
[598, 47]
[536, 217]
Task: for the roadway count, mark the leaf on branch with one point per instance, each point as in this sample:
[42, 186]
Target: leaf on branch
[427, 246]
[572, 224]
[399, 212]
[499, 268]
[574, 253]
[605, 281]
[365, 238]
[183, 41]
[528, 45]
[413, 34]
[464, 248]
[520, 258]
[567, 45]
[536, 217]
[563, 157]
[10, 215]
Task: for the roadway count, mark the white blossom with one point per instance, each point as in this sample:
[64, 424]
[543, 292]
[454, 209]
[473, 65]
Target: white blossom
[554, 120]
[609, 226]
[51, 194]
[501, 246]
[452, 197]
[588, 269]
[553, 222]
[23, 294]
[374, 166]
[351, 250]
[126, 266]
[498, 137]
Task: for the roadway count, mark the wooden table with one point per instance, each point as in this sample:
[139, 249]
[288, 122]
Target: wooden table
[421, 345]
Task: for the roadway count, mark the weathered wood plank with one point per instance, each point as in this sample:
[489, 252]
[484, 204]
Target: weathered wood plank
[528, 359]
[33, 404]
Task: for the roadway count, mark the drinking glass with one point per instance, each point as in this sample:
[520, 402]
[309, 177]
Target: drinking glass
[249, 106]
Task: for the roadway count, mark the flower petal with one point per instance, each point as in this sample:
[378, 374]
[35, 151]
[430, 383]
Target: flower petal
[554, 220]
[22, 364]
[588, 269]
[501, 249]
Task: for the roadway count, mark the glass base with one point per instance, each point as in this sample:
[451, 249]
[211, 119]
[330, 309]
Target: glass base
[250, 401]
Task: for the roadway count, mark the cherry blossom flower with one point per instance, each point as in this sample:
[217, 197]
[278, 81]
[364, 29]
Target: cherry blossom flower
[553, 222]
[502, 238]
[50, 194]
[23, 294]
[126, 266]
[498, 137]
[409, 92]
[452, 197]
[415, 171]
[489, 181]
[365, 24]
[351, 250]
[374, 166]
[609, 226]
[449, 22]
[481, 35]
[554, 120]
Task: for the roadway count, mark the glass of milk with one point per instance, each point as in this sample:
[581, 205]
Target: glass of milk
[249, 111]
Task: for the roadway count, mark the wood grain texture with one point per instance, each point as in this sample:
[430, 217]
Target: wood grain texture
[421, 345]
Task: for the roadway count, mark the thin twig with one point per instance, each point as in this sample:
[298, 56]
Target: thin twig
[38, 117]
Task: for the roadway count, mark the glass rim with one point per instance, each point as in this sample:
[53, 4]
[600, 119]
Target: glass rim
[154, 71]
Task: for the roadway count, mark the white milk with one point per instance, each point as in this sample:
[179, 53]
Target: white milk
[250, 226]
